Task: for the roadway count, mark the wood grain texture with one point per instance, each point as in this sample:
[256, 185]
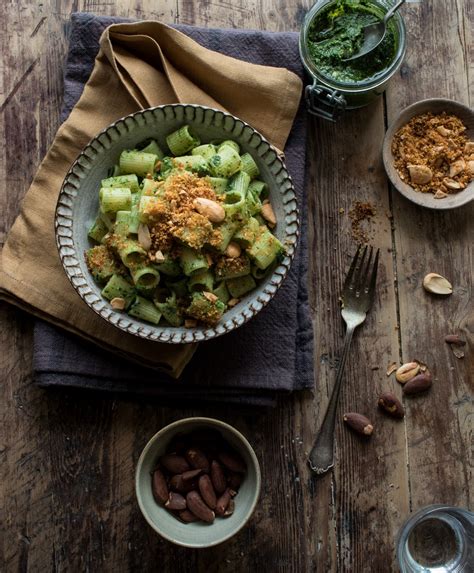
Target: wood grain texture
[439, 426]
[347, 168]
[67, 459]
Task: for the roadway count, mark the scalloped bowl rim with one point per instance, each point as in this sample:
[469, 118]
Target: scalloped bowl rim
[64, 224]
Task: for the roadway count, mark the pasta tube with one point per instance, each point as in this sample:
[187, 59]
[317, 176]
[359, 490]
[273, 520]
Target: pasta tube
[249, 166]
[145, 310]
[225, 163]
[113, 199]
[138, 162]
[124, 181]
[241, 285]
[182, 141]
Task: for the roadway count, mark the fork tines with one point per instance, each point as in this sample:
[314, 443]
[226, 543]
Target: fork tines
[362, 274]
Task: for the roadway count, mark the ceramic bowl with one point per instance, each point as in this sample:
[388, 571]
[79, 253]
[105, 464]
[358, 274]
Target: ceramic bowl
[197, 535]
[436, 106]
[78, 205]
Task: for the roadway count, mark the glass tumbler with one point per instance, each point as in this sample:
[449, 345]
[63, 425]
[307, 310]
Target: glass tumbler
[437, 539]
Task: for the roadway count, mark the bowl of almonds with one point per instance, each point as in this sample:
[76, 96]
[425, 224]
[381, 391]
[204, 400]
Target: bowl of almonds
[428, 153]
[197, 482]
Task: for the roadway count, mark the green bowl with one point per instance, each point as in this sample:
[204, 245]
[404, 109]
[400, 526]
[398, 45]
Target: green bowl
[77, 208]
[197, 535]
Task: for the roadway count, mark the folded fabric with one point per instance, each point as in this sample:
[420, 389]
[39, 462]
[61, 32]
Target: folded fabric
[270, 355]
[139, 65]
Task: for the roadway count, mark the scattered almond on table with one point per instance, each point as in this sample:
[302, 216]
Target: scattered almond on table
[456, 343]
[390, 404]
[437, 284]
[359, 423]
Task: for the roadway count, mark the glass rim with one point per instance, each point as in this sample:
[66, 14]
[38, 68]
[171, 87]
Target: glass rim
[352, 87]
[440, 511]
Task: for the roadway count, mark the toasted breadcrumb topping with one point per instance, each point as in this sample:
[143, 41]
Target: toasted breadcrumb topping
[174, 216]
[433, 154]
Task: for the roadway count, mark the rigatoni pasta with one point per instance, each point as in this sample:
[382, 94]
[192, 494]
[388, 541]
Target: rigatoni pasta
[180, 238]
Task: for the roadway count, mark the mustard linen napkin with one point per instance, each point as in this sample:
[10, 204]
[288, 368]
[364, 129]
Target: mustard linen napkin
[139, 65]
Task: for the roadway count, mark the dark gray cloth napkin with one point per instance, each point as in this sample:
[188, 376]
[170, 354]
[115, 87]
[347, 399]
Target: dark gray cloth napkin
[269, 356]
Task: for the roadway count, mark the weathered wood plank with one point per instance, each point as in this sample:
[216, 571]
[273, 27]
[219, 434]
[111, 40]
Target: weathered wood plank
[25, 494]
[52, 519]
[33, 45]
[369, 485]
[439, 426]
[271, 15]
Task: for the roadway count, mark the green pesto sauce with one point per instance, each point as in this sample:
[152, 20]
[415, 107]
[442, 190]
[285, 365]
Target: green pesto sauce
[336, 33]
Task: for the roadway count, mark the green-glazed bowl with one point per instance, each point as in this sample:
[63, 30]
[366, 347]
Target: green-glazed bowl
[78, 203]
[197, 535]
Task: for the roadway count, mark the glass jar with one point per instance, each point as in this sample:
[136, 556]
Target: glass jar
[437, 539]
[328, 97]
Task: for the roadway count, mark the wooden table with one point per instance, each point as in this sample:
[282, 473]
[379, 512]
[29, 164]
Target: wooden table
[67, 460]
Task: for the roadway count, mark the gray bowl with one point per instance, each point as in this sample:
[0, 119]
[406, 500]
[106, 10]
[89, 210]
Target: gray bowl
[78, 205]
[197, 535]
[436, 106]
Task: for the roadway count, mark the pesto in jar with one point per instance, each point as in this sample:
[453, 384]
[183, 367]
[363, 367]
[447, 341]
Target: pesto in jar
[336, 33]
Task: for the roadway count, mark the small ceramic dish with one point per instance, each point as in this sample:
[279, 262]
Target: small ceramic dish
[436, 106]
[198, 534]
[78, 204]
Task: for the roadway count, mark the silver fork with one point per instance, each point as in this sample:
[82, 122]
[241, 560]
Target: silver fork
[357, 296]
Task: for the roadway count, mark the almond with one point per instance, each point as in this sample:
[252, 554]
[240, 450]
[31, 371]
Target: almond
[197, 458]
[359, 423]
[437, 284]
[469, 147]
[233, 302]
[207, 492]
[210, 209]
[420, 174]
[190, 323]
[187, 516]
[452, 184]
[440, 194]
[175, 501]
[179, 485]
[457, 167]
[191, 474]
[268, 214]
[117, 303]
[418, 384]
[443, 131]
[391, 368]
[230, 509]
[233, 250]
[159, 487]
[174, 463]
[211, 297]
[389, 403]
[407, 372]
[217, 477]
[144, 237]
[223, 502]
[197, 506]
[159, 257]
[454, 339]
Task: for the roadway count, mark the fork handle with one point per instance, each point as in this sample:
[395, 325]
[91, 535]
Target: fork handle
[321, 457]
